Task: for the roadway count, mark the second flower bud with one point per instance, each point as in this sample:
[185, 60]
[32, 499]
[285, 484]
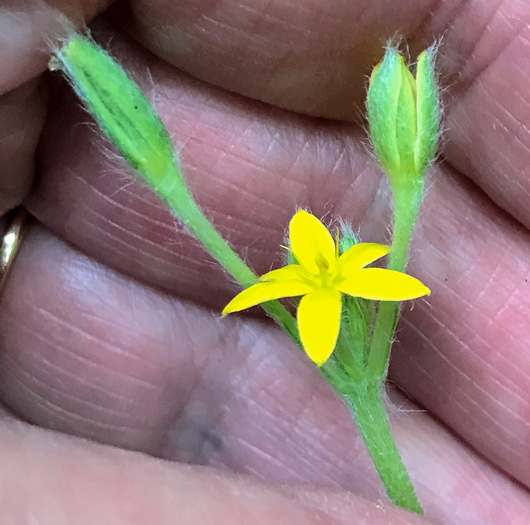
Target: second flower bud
[404, 114]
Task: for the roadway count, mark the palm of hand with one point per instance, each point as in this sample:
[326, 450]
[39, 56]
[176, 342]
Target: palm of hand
[110, 320]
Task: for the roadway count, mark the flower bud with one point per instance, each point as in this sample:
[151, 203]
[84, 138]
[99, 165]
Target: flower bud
[122, 111]
[404, 115]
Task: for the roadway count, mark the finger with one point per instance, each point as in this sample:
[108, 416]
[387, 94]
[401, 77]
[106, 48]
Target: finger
[306, 57]
[488, 123]
[315, 59]
[250, 169]
[51, 479]
[89, 352]
[22, 113]
[30, 28]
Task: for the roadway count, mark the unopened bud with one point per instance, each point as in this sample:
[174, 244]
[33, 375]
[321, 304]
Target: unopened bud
[404, 114]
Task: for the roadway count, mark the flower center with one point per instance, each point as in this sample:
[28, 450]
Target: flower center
[326, 275]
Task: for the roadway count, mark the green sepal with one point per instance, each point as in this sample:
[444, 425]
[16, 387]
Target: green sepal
[382, 104]
[428, 110]
[406, 119]
[357, 320]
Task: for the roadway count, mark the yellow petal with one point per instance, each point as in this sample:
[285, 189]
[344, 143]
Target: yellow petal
[319, 323]
[382, 285]
[311, 243]
[262, 292]
[287, 273]
[360, 255]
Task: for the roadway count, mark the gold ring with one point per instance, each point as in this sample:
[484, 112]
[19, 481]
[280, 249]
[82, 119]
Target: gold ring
[11, 244]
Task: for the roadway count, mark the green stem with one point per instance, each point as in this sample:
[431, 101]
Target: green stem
[407, 204]
[132, 125]
[181, 202]
[366, 405]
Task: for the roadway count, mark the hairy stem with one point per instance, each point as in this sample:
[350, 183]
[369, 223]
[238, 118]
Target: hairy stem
[181, 202]
[366, 405]
[407, 204]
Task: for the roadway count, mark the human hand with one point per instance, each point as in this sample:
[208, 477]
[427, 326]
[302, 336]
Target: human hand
[110, 317]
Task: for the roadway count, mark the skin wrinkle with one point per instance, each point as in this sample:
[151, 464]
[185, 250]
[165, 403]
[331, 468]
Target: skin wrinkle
[267, 459]
[275, 140]
[453, 462]
[467, 272]
[159, 224]
[78, 379]
[506, 307]
[67, 415]
[236, 231]
[325, 473]
[108, 346]
[142, 425]
[254, 196]
[258, 63]
[251, 377]
[510, 290]
[460, 343]
[501, 355]
[264, 18]
[489, 282]
[113, 240]
[42, 338]
[508, 197]
[504, 376]
[492, 229]
[94, 386]
[471, 53]
[135, 424]
[303, 463]
[241, 385]
[336, 192]
[150, 246]
[522, 26]
[372, 194]
[459, 405]
[456, 493]
[478, 407]
[521, 126]
[203, 383]
[495, 103]
[467, 54]
[431, 313]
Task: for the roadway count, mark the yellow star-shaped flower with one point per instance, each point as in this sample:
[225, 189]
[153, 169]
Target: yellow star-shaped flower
[322, 276]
